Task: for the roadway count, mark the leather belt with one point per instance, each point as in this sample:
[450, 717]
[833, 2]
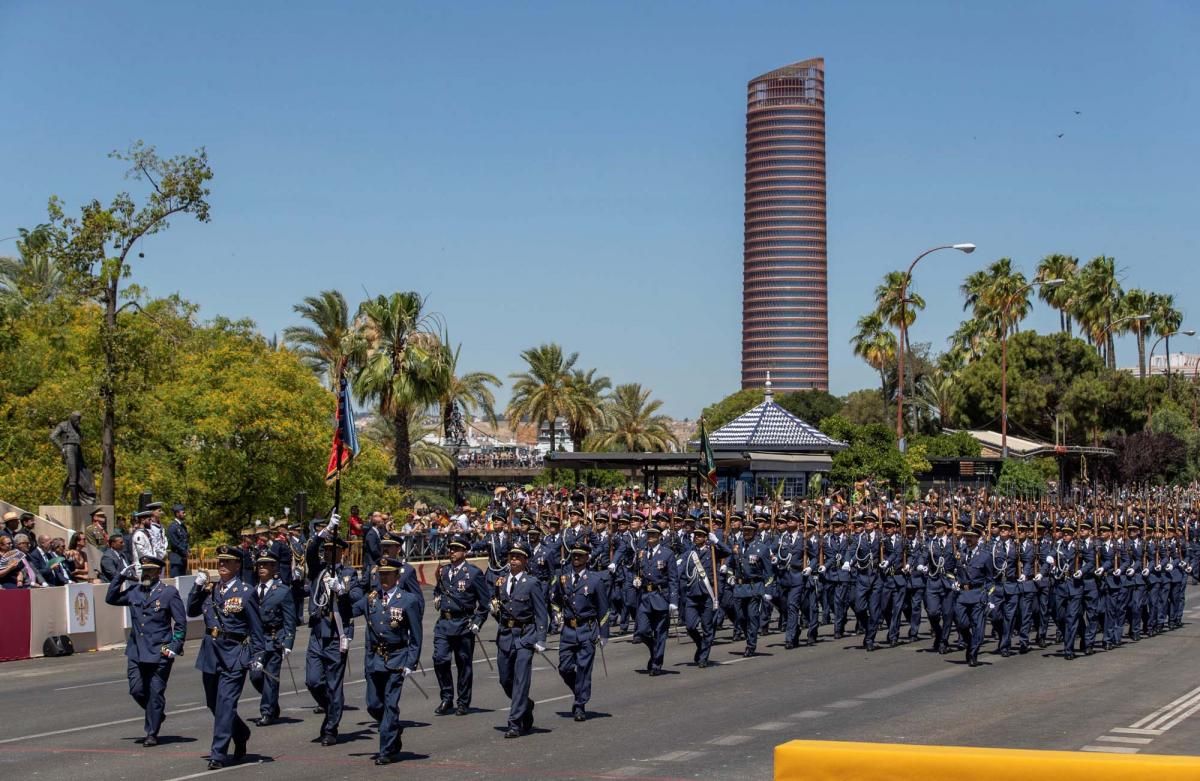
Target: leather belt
[649, 587]
[575, 623]
[450, 614]
[512, 623]
[382, 650]
[234, 636]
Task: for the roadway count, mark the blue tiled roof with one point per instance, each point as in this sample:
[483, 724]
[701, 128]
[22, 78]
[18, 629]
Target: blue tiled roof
[770, 427]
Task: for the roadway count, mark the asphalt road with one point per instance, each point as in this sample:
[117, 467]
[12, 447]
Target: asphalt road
[73, 717]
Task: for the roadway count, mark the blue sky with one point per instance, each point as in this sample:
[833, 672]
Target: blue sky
[573, 171]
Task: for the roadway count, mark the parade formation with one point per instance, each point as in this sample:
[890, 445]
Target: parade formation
[956, 570]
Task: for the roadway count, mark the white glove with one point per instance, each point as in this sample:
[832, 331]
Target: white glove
[167, 652]
[1188, 569]
[336, 585]
[1077, 573]
[712, 537]
[286, 652]
[612, 566]
[673, 608]
[806, 571]
[343, 645]
[766, 597]
[1145, 572]
[335, 520]
[957, 586]
[474, 629]
[846, 567]
[906, 569]
[1158, 568]
[1037, 577]
[774, 560]
[1099, 572]
[1170, 566]
[1050, 560]
[922, 568]
[1129, 572]
[539, 648]
[201, 578]
[1020, 578]
[724, 570]
[991, 605]
[406, 671]
[256, 666]
[821, 569]
[603, 641]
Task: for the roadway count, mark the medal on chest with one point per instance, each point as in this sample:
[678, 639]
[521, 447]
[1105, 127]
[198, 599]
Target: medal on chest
[232, 606]
[397, 615]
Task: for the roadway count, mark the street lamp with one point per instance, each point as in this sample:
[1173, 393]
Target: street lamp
[1167, 336]
[1005, 308]
[964, 248]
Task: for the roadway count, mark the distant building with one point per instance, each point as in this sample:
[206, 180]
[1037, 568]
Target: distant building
[785, 315]
[1183, 364]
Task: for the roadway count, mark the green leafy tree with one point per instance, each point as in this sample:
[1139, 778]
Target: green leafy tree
[811, 406]
[94, 252]
[586, 411]
[863, 406]
[634, 424]
[327, 341]
[1021, 479]
[721, 412]
[543, 393]
[1062, 267]
[872, 454]
[877, 346]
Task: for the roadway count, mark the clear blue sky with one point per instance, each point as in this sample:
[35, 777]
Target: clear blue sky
[573, 171]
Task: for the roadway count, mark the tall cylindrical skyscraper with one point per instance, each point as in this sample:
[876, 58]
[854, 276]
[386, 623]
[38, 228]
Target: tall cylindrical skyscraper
[785, 313]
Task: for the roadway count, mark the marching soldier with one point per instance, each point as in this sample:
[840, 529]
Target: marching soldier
[1028, 582]
[916, 579]
[461, 597]
[495, 545]
[938, 562]
[865, 560]
[158, 626]
[393, 619]
[656, 580]
[970, 609]
[837, 575]
[177, 542]
[233, 644]
[519, 603]
[893, 593]
[697, 586]
[1110, 576]
[582, 596]
[749, 569]
[1137, 571]
[278, 614]
[1063, 561]
[1006, 591]
[334, 590]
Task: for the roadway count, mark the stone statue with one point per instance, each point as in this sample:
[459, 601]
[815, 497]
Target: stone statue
[78, 488]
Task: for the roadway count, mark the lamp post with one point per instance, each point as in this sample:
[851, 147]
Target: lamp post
[1005, 311]
[965, 248]
[1150, 360]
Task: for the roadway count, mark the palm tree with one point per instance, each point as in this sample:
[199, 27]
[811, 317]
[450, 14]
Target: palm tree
[997, 296]
[888, 300]
[542, 394]
[877, 346]
[468, 393]
[1096, 302]
[971, 339]
[1137, 302]
[422, 454]
[33, 277]
[401, 364]
[633, 426]
[936, 390]
[324, 344]
[1062, 267]
[1164, 317]
[586, 411]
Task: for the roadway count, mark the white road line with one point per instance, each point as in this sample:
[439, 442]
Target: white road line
[1134, 731]
[90, 685]
[1169, 706]
[730, 740]
[913, 683]
[1111, 749]
[809, 714]
[771, 726]
[1119, 739]
[677, 756]
[213, 772]
[1160, 722]
[845, 704]
[1174, 722]
[553, 699]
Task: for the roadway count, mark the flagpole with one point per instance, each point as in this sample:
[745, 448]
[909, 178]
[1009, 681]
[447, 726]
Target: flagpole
[340, 422]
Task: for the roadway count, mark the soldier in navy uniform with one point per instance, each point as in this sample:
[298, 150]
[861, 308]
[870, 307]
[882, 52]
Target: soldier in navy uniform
[1137, 572]
[938, 561]
[1028, 582]
[1110, 576]
[893, 593]
[749, 568]
[1093, 599]
[697, 586]
[461, 597]
[233, 644]
[836, 576]
[1006, 590]
[334, 591]
[278, 615]
[393, 620]
[916, 579]
[582, 596]
[158, 626]
[656, 578]
[970, 609]
[495, 545]
[522, 618]
[177, 542]
[543, 562]
[864, 561]
[624, 554]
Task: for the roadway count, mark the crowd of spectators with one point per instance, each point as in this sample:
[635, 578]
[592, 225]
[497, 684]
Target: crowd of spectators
[501, 459]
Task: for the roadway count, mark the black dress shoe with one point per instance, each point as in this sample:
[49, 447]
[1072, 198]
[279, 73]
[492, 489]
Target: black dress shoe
[1068, 656]
[788, 646]
[1023, 648]
[461, 710]
[702, 664]
[329, 740]
[1005, 653]
[318, 710]
[838, 635]
[385, 759]
[653, 672]
[264, 721]
[215, 764]
[1089, 652]
[747, 654]
[579, 715]
[973, 661]
[150, 741]
[445, 707]
[513, 732]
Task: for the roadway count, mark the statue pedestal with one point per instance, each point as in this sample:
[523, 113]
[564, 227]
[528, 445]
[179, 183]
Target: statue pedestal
[60, 520]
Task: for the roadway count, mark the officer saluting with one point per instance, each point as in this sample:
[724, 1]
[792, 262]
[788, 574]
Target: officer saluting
[461, 598]
[582, 595]
[520, 607]
[393, 619]
[233, 643]
[278, 614]
[334, 589]
[158, 626]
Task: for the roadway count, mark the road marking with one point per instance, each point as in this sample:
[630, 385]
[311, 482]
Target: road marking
[553, 699]
[1164, 727]
[809, 714]
[1111, 749]
[1172, 715]
[845, 704]
[677, 756]
[730, 740]
[1169, 706]
[736, 661]
[90, 685]
[1133, 731]
[628, 771]
[214, 772]
[913, 683]
[1120, 739]
[771, 726]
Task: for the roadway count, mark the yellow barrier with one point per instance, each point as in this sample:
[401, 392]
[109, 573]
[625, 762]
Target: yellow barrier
[819, 760]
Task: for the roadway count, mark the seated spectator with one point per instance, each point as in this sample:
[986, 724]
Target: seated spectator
[60, 568]
[12, 574]
[12, 524]
[114, 559]
[32, 577]
[77, 558]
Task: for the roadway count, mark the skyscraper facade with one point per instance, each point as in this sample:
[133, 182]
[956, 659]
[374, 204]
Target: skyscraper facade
[785, 312]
